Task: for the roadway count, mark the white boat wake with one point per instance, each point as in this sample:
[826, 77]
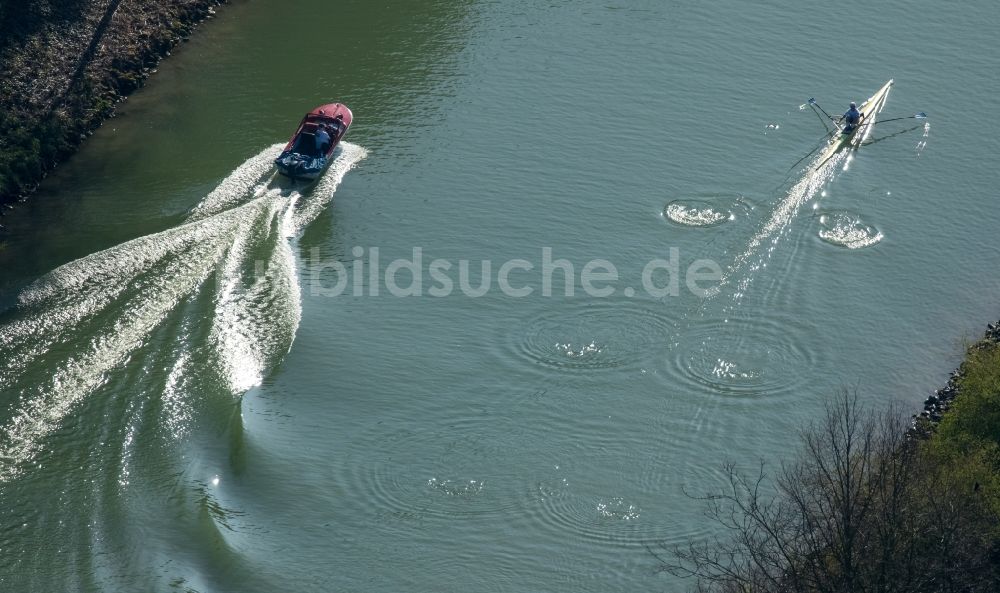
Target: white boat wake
[86, 318]
[763, 243]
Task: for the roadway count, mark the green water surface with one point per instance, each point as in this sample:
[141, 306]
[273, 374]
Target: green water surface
[185, 405]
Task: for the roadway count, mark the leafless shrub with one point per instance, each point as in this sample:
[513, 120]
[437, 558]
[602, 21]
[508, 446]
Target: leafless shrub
[863, 509]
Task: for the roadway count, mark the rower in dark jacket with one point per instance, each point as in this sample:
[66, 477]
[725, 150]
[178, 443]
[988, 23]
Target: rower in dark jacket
[852, 117]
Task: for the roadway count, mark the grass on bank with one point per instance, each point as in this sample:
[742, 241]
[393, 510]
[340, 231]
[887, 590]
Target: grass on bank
[27, 150]
[968, 437]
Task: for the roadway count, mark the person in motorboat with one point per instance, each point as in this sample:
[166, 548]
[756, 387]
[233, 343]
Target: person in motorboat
[322, 139]
[851, 118]
[335, 125]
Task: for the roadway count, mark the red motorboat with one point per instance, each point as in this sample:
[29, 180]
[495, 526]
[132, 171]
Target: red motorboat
[310, 150]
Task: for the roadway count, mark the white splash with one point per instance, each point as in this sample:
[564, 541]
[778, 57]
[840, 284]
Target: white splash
[848, 230]
[690, 215]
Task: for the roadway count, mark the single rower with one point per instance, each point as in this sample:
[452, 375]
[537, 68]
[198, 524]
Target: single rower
[852, 117]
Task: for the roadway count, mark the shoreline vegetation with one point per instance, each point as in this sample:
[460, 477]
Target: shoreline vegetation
[65, 64]
[874, 501]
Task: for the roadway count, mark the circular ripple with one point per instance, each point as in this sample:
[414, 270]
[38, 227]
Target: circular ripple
[846, 229]
[591, 515]
[592, 335]
[622, 510]
[617, 509]
[461, 468]
[757, 357]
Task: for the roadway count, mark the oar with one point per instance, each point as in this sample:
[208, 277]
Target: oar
[822, 142]
[816, 105]
[920, 115]
[901, 132]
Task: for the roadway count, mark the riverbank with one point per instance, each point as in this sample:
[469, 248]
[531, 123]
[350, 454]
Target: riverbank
[65, 64]
[961, 422]
[864, 505]
[977, 365]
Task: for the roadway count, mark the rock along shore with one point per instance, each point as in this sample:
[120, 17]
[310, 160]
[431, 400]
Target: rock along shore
[65, 64]
[938, 403]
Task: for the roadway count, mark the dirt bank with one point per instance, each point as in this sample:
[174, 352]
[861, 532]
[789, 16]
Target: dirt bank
[64, 64]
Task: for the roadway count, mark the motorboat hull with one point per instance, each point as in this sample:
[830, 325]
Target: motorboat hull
[305, 156]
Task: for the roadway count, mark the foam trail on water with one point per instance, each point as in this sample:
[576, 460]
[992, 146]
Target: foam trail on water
[248, 179]
[763, 243]
[92, 328]
[349, 157]
[259, 307]
[82, 321]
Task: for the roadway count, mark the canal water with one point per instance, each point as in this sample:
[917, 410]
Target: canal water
[571, 259]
